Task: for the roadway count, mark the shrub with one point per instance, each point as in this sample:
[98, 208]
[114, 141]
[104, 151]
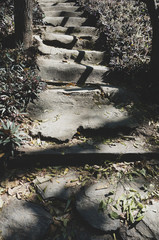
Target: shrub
[127, 29]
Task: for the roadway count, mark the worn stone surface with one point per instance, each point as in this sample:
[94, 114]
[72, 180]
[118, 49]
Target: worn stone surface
[62, 21]
[68, 55]
[21, 220]
[146, 229]
[59, 187]
[62, 112]
[87, 204]
[88, 201]
[60, 8]
[82, 31]
[63, 14]
[63, 72]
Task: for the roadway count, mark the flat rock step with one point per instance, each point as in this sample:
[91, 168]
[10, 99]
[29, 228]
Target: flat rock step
[62, 112]
[66, 21]
[61, 8]
[83, 57]
[68, 72]
[69, 41]
[55, 1]
[83, 31]
[61, 4]
[63, 14]
[24, 220]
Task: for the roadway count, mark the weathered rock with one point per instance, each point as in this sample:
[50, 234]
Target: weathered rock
[21, 220]
[60, 8]
[83, 31]
[74, 109]
[151, 220]
[63, 72]
[58, 187]
[88, 202]
[77, 54]
[63, 14]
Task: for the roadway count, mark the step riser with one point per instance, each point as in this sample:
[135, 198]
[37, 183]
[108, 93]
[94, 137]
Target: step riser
[34, 157]
[49, 4]
[76, 31]
[55, 1]
[79, 44]
[65, 21]
[64, 14]
[68, 73]
[60, 8]
[87, 57]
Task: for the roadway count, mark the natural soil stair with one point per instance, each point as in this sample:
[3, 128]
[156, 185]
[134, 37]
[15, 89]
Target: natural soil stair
[80, 114]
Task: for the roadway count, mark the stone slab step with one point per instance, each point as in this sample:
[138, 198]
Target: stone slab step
[77, 155]
[63, 14]
[68, 72]
[61, 8]
[69, 41]
[83, 57]
[55, 1]
[53, 107]
[61, 112]
[66, 21]
[82, 31]
[59, 4]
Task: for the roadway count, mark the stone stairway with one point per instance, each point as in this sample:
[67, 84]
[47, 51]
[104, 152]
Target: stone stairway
[80, 110]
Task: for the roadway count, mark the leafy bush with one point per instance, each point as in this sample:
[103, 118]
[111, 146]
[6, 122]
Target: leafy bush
[18, 82]
[10, 137]
[9, 134]
[127, 29]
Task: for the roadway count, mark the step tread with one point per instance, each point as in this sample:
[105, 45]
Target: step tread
[65, 21]
[44, 62]
[62, 54]
[77, 31]
[63, 13]
[60, 8]
[86, 109]
[70, 41]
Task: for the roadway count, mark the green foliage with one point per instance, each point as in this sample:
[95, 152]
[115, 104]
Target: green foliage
[10, 138]
[128, 207]
[19, 83]
[10, 134]
[127, 30]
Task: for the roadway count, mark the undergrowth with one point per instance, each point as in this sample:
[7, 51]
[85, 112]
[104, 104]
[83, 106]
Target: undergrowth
[19, 81]
[127, 32]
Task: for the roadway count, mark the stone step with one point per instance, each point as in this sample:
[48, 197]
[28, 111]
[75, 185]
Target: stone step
[69, 42]
[82, 31]
[68, 72]
[55, 1]
[66, 21]
[83, 57]
[63, 14]
[59, 113]
[61, 8]
[62, 4]
[80, 154]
